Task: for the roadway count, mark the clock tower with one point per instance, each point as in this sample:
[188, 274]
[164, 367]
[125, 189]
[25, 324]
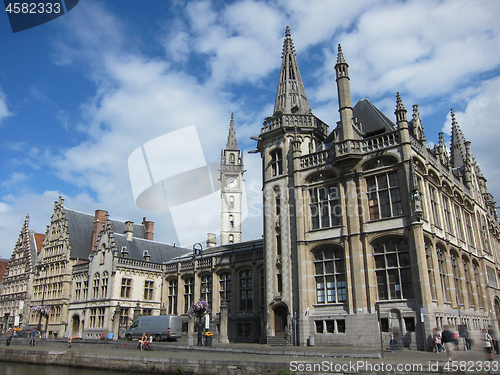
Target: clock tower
[231, 178]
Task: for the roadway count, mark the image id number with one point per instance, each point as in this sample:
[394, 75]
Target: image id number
[32, 8]
[471, 366]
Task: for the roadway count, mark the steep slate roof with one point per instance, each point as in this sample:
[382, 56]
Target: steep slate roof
[80, 226]
[371, 118]
[158, 252]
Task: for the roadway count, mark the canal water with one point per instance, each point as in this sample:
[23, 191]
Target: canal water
[16, 368]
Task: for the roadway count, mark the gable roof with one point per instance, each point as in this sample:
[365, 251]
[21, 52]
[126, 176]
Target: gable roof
[371, 118]
[158, 252]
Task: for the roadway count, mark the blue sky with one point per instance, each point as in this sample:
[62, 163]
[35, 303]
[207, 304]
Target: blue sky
[79, 94]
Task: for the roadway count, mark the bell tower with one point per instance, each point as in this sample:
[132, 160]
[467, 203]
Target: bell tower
[231, 178]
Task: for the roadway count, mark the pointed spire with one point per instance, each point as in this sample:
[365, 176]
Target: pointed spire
[232, 142]
[400, 112]
[458, 149]
[340, 56]
[291, 96]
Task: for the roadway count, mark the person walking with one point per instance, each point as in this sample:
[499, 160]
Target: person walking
[33, 336]
[437, 340]
[448, 341]
[488, 345]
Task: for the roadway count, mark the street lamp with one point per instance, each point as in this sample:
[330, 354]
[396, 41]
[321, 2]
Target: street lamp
[198, 250]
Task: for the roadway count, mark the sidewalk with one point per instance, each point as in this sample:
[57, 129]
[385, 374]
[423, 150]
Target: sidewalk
[235, 358]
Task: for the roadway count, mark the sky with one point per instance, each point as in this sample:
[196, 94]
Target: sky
[79, 94]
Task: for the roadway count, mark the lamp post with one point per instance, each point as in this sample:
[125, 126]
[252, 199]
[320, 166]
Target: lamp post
[40, 269]
[198, 250]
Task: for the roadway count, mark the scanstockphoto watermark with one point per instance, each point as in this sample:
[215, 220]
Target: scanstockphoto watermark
[365, 366]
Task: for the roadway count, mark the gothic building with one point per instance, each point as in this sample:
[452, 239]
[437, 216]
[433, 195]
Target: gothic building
[16, 288]
[366, 218]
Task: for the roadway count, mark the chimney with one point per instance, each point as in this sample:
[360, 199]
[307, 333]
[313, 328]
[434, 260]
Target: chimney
[129, 230]
[100, 217]
[150, 228]
[211, 240]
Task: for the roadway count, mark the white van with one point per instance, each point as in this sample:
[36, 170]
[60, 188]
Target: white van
[159, 326]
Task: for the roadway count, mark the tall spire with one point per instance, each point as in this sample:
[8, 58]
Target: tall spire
[344, 94]
[458, 150]
[291, 96]
[232, 142]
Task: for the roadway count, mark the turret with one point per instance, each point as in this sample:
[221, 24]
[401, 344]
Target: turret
[344, 93]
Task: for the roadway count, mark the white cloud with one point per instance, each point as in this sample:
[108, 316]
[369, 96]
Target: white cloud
[15, 179]
[4, 112]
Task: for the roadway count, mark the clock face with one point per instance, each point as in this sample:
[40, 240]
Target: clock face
[231, 182]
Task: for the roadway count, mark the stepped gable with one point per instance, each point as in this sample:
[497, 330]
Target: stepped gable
[158, 252]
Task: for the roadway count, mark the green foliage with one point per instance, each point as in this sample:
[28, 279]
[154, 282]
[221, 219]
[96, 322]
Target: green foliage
[179, 371]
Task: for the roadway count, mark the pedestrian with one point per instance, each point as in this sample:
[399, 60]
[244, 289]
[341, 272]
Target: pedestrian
[142, 341]
[488, 345]
[33, 336]
[494, 338]
[437, 340]
[448, 341]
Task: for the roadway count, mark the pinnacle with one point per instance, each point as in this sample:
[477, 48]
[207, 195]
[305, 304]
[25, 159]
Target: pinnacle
[232, 142]
[340, 56]
[399, 103]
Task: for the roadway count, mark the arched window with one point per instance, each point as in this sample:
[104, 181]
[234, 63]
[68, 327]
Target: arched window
[188, 293]
[206, 289]
[231, 158]
[225, 288]
[456, 278]
[469, 274]
[384, 196]
[276, 162]
[231, 238]
[246, 290]
[231, 202]
[430, 270]
[477, 279]
[277, 200]
[231, 221]
[392, 263]
[442, 274]
[104, 285]
[172, 297]
[95, 289]
[330, 275]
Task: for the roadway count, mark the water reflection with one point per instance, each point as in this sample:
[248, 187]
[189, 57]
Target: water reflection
[15, 368]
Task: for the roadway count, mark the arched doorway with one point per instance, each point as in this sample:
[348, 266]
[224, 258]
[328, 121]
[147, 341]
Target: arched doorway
[497, 312]
[75, 326]
[280, 320]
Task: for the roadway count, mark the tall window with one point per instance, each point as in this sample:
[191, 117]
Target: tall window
[246, 290]
[392, 263]
[124, 317]
[206, 289]
[95, 289]
[468, 280]
[484, 234]
[231, 238]
[276, 162]
[447, 214]
[126, 286]
[330, 276]
[78, 291]
[477, 278]
[442, 274]
[384, 196]
[104, 285]
[85, 289]
[231, 221]
[188, 293]
[277, 200]
[435, 206]
[430, 270]
[225, 288]
[326, 210]
[470, 232]
[100, 317]
[148, 290]
[492, 277]
[458, 218]
[93, 318]
[456, 277]
[172, 297]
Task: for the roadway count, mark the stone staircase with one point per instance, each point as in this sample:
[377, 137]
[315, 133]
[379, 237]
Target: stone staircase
[277, 341]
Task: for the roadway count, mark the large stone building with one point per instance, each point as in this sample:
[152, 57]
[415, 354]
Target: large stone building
[367, 217]
[366, 229]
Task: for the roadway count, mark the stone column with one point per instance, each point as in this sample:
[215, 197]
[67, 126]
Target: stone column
[223, 323]
[116, 322]
[190, 331]
[137, 311]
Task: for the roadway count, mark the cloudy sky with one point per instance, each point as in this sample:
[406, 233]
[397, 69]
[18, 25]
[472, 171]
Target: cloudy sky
[79, 94]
